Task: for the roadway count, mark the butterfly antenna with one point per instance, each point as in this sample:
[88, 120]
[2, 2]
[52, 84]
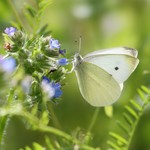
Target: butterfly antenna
[80, 39]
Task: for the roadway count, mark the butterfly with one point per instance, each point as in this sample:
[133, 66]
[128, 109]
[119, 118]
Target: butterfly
[101, 74]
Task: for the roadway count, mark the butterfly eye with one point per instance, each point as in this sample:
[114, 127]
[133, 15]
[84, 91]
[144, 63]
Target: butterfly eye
[116, 68]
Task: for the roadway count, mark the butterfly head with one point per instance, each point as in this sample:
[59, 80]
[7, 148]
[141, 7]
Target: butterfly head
[77, 60]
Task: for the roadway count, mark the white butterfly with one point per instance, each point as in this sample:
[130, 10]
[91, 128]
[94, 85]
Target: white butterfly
[101, 74]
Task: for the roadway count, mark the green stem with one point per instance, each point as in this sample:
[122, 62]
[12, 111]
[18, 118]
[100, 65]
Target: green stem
[45, 128]
[15, 13]
[54, 117]
[95, 115]
[3, 126]
[88, 134]
[37, 125]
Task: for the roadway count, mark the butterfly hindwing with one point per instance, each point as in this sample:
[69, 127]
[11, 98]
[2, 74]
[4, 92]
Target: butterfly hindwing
[97, 86]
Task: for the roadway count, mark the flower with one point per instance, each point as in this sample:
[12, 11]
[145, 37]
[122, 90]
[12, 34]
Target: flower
[54, 44]
[7, 46]
[62, 51]
[63, 61]
[58, 91]
[7, 64]
[51, 88]
[45, 79]
[10, 31]
[26, 83]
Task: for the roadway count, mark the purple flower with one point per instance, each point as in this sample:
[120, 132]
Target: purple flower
[7, 64]
[63, 61]
[51, 88]
[10, 31]
[62, 51]
[54, 44]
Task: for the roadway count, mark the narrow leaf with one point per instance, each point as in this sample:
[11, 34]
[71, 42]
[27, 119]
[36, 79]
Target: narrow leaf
[136, 105]
[142, 96]
[128, 118]
[38, 146]
[31, 11]
[27, 148]
[145, 89]
[119, 138]
[49, 143]
[123, 126]
[131, 111]
[113, 145]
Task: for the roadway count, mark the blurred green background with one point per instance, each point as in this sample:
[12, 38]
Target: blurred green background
[102, 24]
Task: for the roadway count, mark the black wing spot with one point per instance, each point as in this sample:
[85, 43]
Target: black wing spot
[116, 68]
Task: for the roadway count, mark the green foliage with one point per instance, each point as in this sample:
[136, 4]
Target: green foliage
[34, 15]
[36, 146]
[22, 96]
[131, 116]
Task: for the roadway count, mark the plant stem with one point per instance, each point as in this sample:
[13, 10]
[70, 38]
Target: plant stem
[45, 128]
[3, 125]
[15, 13]
[95, 115]
[53, 116]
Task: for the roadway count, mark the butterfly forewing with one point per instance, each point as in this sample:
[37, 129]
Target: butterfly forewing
[120, 63]
[97, 86]
[117, 50]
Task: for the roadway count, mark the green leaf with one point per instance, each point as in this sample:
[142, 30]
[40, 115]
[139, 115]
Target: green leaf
[131, 116]
[37, 146]
[145, 89]
[43, 4]
[27, 148]
[45, 118]
[142, 95]
[123, 126]
[120, 139]
[109, 111]
[128, 118]
[136, 105]
[113, 145]
[42, 30]
[131, 111]
[31, 10]
[49, 143]
[3, 123]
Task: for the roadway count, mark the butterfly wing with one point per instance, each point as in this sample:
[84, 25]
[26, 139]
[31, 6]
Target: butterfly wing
[97, 86]
[117, 50]
[119, 62]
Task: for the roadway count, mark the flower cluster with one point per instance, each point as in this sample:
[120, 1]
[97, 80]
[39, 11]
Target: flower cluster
[38, 56]
[51, 88]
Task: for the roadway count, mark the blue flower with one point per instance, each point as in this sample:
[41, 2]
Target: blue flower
[63, 61]
[54, 44]
[10, 31]
[7, 64]
[46, 79]
[51, 88]
[58, 91]
[62, 51]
